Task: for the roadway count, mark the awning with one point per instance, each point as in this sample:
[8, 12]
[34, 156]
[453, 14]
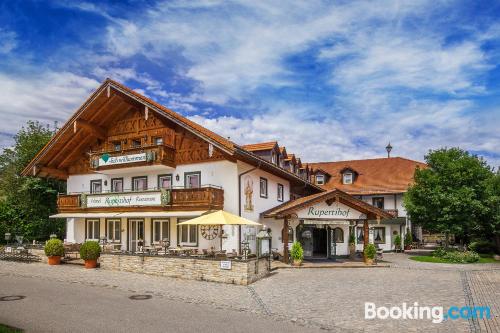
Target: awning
[128, 214]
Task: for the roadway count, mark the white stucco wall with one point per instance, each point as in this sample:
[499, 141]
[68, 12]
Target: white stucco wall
[391, 201]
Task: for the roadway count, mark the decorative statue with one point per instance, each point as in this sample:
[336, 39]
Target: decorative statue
[248, 194]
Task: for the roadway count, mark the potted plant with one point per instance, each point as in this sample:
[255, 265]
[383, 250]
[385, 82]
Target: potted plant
[408, 239]
[397, 243]
[54, 250]
[370, 253]
[90, 251]
[352, 246]
[297, 254]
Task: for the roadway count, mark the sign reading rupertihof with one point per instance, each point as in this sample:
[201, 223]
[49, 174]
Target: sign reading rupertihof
[124, 200]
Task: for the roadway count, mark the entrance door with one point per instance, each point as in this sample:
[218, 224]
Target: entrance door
[320, 242]
[136, 234]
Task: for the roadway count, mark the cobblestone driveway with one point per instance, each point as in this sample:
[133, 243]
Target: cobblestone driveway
[328, 298]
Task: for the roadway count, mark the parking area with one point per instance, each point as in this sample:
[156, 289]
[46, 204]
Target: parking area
[325, 298]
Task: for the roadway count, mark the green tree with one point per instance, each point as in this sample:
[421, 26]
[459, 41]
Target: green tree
[450, 195]
[490, 225]
[27, 202]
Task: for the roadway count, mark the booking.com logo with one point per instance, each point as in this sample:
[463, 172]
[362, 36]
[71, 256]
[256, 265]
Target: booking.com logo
[435, 313]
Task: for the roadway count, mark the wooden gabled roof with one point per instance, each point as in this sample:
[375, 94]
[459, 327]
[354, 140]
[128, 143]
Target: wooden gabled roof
[292, 206]
[99, 111]
[374, 176]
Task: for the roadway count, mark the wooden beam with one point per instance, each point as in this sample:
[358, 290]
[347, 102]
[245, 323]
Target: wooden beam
[95, 130]
[74, 152]
[55, 173]
[366, 237]
[285, 240]
[146, 113]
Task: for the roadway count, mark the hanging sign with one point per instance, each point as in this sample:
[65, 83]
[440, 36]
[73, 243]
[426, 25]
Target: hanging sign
[124, 200]
[106, 159]
[335, 211]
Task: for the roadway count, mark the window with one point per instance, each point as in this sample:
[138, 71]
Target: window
[290, 234]
[263, 187]
[96, 186]
[360, 236]
[165, 181]
[378, 202]
[136, 143]
[158, 141]
[188, 234]
[114, 230]
[92, 229]
[139, 183]
[192, 179]
[117, 146]
[161, 230]
[347, 178]
[338, 235]
[379, 235]
[281, 194]
[116, 184]
[320, 179]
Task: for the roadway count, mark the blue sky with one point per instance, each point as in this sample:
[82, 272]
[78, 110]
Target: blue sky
[329, 80]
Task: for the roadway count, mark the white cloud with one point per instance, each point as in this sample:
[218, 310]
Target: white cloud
[47, 97]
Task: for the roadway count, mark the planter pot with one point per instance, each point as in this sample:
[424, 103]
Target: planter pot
[54, 260]
[91, 263]
[407, 247]
[297, 262]
[368, 261]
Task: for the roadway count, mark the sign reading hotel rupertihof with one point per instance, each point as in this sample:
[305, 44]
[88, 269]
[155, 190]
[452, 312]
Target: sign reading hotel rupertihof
[124, 200]
[336, 210]
[106, 160]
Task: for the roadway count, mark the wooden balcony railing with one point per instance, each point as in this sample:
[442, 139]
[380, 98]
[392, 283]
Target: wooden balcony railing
[154, 154]
[393, 212]
[204, 198]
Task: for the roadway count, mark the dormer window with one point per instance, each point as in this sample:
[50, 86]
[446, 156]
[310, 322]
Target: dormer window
[320, 179]
[273, 158]
[347, 178]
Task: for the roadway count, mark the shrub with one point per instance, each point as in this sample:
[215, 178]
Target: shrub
[297, 253]
[397, 241]
[90, 250]
[461, 257]
[54, 248]
[482, 246]
[408, 237]
[370, 251]
[439, 252]
[352, 238]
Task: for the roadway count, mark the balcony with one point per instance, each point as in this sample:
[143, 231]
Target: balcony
[132, 157]
[188, 199]
[393, 212]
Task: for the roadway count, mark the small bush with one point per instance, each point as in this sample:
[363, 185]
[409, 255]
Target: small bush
[370, 251]
[482, 246]
[352, 239]
[408, 237]
[297, 252]
[440, 252]
[397, 242]
[461, 257]
[54, 248]
[90, 250]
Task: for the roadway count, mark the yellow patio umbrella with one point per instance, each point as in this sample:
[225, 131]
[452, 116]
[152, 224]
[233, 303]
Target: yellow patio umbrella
[221, 218]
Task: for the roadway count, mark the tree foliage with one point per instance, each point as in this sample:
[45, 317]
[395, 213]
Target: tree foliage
[453, 195]
[27, 202]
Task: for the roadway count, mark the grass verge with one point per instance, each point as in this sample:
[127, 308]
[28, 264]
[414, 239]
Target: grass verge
[8, 329]
[486, 259]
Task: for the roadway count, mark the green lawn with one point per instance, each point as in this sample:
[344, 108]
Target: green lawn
[8, 329]
[486, 259]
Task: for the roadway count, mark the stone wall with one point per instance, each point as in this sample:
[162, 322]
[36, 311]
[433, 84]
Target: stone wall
[241, 272]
